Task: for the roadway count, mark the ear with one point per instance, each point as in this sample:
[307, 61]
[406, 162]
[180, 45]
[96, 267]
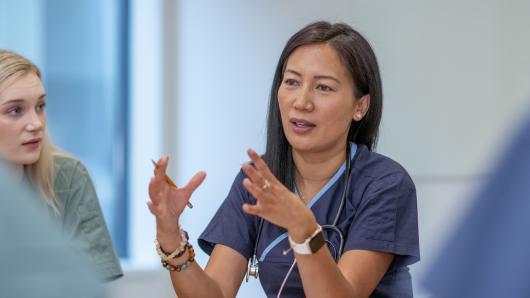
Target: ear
[361, 107]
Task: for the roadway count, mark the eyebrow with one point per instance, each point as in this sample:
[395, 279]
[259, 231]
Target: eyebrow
[328, 77]
[293, 72]
[18, 100]
[316, 77]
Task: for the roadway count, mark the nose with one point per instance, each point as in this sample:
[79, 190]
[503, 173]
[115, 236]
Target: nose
[35, 121]
[303, 100]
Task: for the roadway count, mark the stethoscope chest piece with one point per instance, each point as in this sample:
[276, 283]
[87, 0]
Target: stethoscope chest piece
[253, 268]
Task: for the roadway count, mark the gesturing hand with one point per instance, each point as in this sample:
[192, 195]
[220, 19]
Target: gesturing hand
[274, 202]
[168, 202]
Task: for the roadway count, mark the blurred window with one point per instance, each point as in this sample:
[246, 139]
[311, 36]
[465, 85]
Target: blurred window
[82, 49]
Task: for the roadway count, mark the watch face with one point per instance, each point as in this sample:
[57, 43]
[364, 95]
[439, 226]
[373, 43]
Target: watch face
[317, 242]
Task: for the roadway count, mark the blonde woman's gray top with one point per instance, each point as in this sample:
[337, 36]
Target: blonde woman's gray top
[81, 216]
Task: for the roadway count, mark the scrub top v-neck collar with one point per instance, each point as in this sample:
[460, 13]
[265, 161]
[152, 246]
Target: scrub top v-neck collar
[313, 201]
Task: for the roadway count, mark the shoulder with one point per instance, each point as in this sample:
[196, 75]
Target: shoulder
[67, 168]
[240, 176]
[238, 191]
[376, 168]
[72, 183]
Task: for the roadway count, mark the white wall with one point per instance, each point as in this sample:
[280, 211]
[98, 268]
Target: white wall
[454, 75]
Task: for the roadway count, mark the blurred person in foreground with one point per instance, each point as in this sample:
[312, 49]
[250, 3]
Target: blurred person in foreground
[489, 253]
[61, 181]
[35, 260]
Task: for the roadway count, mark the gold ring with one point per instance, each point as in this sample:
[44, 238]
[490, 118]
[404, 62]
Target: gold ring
[266, 185]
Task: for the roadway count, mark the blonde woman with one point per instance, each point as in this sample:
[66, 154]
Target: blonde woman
[61, 180]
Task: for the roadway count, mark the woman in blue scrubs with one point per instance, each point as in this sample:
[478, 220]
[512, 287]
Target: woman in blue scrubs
[320, 212]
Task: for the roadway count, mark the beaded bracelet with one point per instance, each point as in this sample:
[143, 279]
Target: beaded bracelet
[184, 265]
[178, 252]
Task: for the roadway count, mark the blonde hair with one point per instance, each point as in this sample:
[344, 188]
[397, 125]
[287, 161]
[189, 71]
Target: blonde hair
[42, 172]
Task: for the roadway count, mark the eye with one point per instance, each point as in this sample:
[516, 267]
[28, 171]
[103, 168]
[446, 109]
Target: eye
[14, 111]
[41, 107]
[291, 82]
[324, 88]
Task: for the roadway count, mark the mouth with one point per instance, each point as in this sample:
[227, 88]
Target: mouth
[301, 122]
[301, 126]
[32, 142]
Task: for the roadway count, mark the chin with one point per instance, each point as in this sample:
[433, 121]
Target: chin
[28, 160]
[21, 159]
[301, 145]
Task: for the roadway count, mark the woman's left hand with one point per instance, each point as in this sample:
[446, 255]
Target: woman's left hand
[274, 202]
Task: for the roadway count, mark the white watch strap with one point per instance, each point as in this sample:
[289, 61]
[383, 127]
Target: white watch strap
[303, 248]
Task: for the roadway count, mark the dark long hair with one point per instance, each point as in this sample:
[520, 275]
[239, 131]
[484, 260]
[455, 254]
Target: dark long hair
[359, 59]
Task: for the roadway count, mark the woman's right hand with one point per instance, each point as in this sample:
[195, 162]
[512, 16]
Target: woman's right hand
[168, 202]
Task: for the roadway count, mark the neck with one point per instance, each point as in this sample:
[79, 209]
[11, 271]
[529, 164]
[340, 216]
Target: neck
[314, 170]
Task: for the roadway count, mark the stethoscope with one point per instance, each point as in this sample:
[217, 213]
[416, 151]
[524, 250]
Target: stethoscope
[253, 264]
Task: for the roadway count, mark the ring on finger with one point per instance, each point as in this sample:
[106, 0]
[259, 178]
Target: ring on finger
[266, 185]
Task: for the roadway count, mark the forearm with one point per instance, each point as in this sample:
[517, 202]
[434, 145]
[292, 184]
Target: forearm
[356, 275]
[321, 277]
[185, 282]
[194, 282]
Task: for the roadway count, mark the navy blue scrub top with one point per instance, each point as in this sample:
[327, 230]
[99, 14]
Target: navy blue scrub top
[380, 215]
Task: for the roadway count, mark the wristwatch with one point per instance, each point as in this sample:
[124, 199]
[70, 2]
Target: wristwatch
[311, 245]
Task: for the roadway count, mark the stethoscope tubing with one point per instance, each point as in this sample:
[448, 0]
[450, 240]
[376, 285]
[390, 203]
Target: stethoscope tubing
[253, 263]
